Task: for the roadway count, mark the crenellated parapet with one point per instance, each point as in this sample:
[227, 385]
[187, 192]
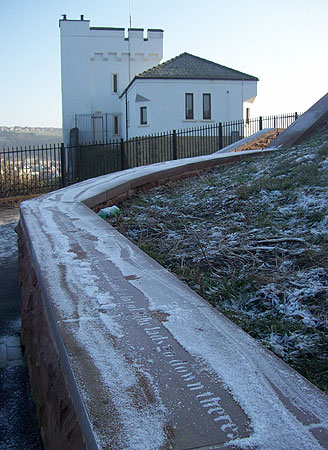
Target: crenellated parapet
[144, 41]
[92, 57]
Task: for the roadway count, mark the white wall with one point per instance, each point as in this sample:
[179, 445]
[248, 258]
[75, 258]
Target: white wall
[166, 105]
[89, 57]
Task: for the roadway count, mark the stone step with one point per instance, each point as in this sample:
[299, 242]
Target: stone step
[260, 142]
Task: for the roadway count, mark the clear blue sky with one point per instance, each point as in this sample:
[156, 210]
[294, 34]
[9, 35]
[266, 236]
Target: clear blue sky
[282, 42]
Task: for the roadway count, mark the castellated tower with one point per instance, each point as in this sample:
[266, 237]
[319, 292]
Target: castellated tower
[97, 64]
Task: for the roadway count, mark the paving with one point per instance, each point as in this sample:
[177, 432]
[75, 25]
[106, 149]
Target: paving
[18, 429]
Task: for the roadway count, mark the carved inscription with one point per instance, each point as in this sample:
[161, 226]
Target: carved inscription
[159, 336]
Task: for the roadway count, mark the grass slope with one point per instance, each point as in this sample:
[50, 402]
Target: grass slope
[252, 239]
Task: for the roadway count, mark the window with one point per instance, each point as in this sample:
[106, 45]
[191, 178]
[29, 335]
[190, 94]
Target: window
[115, 83]
[143, 115]
[248, 114]
[206, 106]
[116, 125]
[189, 106]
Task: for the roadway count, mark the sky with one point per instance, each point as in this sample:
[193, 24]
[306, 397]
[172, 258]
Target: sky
[282, 42]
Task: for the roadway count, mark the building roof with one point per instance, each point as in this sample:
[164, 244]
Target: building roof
[190, 67]
[187, 66]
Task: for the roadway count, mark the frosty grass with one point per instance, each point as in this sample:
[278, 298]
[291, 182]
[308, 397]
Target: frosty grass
[252, 239]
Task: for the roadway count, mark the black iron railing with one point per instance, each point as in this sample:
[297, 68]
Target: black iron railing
[30, 170]
[39, 169]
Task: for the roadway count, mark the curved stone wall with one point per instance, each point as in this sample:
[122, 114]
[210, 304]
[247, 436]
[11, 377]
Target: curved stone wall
[122, 355]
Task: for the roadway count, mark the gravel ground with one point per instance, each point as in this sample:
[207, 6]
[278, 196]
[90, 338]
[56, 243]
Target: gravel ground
[18, 429]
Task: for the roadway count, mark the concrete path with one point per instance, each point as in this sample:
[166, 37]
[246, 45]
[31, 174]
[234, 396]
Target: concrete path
[18, 430]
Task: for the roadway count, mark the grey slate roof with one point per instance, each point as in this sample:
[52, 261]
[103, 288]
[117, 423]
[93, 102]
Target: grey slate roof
[187, 66]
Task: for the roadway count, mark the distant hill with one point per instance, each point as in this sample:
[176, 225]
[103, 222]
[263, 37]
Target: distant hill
[25, 136]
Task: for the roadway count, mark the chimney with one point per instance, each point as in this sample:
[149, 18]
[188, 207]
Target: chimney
[64, 16]
[82, 17]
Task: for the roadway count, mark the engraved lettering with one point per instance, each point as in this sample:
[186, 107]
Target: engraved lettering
[230, 426]
[217, 409]
[157, 334]
[195, 386]
[210, 402]
[158, 338]
[188, 377]
[205, 394]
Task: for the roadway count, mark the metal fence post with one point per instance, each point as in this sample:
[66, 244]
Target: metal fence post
[122, 153]
[260, 123]
[220, 136]
[174, 143]
[63, 164]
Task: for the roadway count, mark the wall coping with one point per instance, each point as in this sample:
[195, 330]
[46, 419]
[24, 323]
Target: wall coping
[148, 362]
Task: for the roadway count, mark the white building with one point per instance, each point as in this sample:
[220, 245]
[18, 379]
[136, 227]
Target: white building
[185, 91]
[96, 66]
[113, 85]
